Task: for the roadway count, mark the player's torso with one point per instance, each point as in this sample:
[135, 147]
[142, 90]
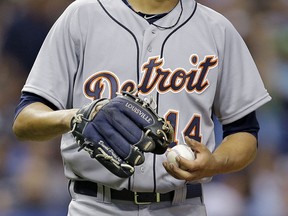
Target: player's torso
[178, 67]
[124, 53]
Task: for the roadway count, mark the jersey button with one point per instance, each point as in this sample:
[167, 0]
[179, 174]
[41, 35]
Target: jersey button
[142, 169]
[153, 31]
[149, 48]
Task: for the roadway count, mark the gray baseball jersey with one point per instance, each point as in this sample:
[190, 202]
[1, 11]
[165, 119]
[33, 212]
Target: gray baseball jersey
[198, 67]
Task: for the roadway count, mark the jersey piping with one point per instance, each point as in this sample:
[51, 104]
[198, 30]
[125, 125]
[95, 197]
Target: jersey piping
[157, 94]
[138, 64]
[131, 33]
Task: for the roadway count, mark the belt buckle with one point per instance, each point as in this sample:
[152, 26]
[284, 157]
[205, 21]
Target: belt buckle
[145, 203]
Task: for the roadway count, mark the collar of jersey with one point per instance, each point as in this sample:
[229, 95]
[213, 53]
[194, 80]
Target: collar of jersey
[151, 18]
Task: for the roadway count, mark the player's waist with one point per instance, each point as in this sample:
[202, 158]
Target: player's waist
[91, 189]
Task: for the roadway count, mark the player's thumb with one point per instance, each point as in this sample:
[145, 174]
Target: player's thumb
[193, 144]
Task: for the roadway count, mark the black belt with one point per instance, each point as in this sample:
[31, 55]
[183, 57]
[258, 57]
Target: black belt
[90, 189]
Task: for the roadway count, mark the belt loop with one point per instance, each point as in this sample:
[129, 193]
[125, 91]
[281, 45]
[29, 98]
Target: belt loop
[107, 195]
[100, 193]
[71, 189]
[179, 195]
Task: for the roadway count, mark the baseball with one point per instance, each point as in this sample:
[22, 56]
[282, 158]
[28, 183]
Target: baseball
[182, 150]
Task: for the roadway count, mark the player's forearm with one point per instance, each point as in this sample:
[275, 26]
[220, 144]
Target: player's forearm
[235, 152]
[37, 122]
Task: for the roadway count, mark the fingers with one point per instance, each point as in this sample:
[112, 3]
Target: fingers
[182, 169]
[173, 170]
[191, 170]
[178, 173]
[194, 145]
[187, 165]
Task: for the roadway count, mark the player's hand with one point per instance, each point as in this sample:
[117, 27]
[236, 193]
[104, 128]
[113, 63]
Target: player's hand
[117, 131]
[193, 170]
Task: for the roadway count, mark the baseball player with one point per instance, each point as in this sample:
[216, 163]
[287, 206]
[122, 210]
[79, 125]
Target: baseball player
[182, 59]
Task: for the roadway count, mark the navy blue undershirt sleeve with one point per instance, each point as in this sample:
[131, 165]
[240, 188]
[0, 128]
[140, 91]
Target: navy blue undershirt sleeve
[29, 98]
[248, 123]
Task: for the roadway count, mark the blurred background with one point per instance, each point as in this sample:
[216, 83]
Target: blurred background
[31, 174]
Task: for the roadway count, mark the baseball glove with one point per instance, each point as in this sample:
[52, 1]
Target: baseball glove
[117, 131]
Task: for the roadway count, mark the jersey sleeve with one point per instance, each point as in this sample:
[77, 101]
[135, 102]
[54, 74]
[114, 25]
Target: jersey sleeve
[240, 87]
[51, 76]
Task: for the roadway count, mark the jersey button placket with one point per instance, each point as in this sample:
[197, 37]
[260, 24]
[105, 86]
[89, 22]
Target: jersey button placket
[149, 47]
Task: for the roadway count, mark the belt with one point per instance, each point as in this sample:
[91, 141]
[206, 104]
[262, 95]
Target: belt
[90, 189]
